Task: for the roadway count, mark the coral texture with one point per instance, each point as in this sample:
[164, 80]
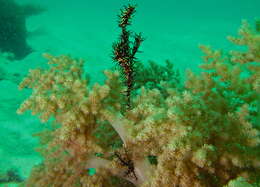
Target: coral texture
[204, 135]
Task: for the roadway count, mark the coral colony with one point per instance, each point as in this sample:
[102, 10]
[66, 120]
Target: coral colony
[204, 133]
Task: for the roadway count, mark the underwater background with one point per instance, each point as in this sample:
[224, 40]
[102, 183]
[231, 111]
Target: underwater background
[86, 29]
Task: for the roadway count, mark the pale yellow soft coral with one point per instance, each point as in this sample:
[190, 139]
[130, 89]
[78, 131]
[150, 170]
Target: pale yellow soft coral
[53, 89]
[61, 92]
[249, 38]
[202, 136]
[205, 156]
[195, 139]
[203, 133]
[149, 122]
[225, 81]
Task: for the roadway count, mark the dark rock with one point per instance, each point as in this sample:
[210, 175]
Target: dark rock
[13, 32]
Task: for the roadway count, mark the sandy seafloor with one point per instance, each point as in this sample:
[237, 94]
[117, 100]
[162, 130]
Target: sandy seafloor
[173, 30]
